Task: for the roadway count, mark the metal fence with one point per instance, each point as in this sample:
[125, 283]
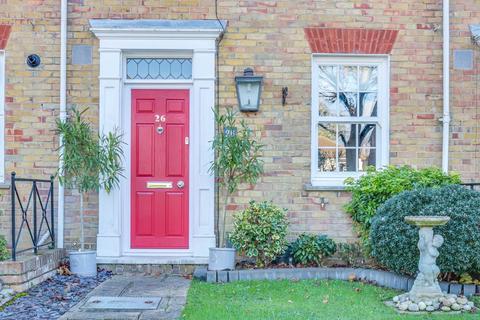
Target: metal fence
[35, 213]
[472, 185]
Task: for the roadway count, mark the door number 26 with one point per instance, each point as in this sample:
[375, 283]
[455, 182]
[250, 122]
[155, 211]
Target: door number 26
[160, 118]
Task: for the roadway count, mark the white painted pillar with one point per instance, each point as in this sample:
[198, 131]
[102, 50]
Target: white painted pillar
[202, 202]
[110, 209]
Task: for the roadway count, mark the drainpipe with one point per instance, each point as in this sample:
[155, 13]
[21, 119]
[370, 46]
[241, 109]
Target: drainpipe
[63, 114]
[446, 84]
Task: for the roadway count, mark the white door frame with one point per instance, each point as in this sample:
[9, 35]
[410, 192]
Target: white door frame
[122, 38]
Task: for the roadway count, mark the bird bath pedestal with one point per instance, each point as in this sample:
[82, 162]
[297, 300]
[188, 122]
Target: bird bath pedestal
[426, 294]
[426, 285]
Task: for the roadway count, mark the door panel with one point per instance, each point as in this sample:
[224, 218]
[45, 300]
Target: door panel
[159, 187]
[146, 150]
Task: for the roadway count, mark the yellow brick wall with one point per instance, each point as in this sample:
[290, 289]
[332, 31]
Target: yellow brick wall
[268, 36]
[31, 95]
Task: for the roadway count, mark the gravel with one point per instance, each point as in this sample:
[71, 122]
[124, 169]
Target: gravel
[53, 297]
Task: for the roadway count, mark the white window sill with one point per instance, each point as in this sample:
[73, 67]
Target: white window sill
[312, 188]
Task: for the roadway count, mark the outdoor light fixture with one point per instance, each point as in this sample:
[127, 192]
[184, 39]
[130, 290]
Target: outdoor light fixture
[249, 89]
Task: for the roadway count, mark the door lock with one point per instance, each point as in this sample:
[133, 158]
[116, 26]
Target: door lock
[180, 184]
[159, 130]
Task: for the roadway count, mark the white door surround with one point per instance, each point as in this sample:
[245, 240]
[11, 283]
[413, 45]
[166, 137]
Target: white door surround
[194, 39]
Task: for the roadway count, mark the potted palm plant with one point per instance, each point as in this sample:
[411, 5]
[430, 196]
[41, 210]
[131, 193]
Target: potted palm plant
[237, 160]
[89, 161]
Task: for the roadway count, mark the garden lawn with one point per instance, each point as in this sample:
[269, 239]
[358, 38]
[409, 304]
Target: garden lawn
[286, 299]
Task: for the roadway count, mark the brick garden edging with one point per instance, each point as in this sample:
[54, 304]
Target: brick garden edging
[379, 277]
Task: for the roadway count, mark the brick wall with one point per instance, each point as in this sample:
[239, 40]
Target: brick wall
[268, 36]
[31, 97]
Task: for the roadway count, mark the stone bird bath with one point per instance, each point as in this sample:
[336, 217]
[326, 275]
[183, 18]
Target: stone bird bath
[426, 294]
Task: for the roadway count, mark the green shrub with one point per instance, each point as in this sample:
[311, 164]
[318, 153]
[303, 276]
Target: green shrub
[4, 254]
[260, 232]
[310, 249]
[394, 242]
[353, 254]
[375, 187]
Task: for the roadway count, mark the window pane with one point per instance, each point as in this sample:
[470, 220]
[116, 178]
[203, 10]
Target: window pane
[131, 69]
[348, 78]
[159, 68]
[326, 135]
[327, 78]
[328, 104]
[367, 136]
[368, 78]
[368, 104]
[326, 160]
[347, 159]
[143, 69]
[366, 157]
[347, 135]
[347, 104]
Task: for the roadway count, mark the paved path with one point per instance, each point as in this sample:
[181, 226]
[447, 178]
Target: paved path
[171, 289]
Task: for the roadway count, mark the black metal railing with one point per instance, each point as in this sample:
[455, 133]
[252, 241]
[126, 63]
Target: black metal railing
[30, 219]
[472, 185]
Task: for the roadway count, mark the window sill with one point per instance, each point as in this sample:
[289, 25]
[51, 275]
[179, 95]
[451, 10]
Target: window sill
[312, 188]
[4, 185]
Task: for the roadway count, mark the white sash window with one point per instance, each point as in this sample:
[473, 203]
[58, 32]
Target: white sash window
[349, 117]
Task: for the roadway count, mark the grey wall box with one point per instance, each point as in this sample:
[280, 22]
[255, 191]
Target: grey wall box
[81, 54]
[463, 59]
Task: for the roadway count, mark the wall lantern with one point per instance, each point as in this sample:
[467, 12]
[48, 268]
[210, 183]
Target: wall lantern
[249, 89]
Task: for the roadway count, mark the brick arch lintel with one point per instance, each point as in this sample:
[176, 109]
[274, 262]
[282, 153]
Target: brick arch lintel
[354, 41]
[5, 30]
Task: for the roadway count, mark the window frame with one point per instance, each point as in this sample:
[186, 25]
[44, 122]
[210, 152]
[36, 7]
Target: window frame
[2, 115]
[336, 179]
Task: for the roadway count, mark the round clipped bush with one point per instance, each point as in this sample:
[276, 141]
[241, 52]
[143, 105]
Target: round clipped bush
[375, 187]
[394, 242]
[310, 249]
[260, 232]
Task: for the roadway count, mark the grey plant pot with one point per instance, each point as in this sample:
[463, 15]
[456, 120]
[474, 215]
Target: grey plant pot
[83, 263]
[221, 259]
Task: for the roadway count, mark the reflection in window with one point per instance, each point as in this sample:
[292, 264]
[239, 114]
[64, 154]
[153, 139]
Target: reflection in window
[159, 68]
[347, 94]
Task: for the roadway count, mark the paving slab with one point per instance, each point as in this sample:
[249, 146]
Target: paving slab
[125, 297]
[121, 303]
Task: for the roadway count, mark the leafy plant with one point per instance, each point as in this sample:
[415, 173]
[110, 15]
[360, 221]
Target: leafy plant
[237, 161]
[394, 242]
[375, 187]
[353, 254]
[310, 249]
[4, 254]
[260, 232]
[89, 161]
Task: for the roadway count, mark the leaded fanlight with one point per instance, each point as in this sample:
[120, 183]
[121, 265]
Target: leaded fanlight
[159, 68]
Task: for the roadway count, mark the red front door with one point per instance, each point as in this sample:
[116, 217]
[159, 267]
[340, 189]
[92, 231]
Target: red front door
[159, 196]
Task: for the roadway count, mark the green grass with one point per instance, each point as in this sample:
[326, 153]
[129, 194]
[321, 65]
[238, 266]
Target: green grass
[309, 299]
